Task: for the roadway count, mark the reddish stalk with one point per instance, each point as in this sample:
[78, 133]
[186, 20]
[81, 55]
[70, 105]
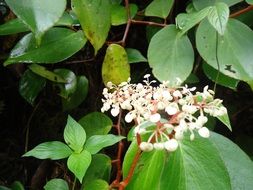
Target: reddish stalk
[247, 9]
[141, 22]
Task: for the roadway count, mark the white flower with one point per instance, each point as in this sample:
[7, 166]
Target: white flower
[155, 117]
[177, 94]
[171, 145]
[166, 95]
[146, 147]
[129, 117]
[159, 146]
[191, 109]
[192, 137]
[204, 132]
[115, 111]
[146, 76]
[172, 109]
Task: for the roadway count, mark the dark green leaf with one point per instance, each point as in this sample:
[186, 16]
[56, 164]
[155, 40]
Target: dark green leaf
[225, 120]
[135, 56]
[70, 86]
[30, 86]
[38, 15]
[115, 68]
[17, 185]
[97, 142]
[57, 45]
[54, 150]
[74, 135]
[78, 96]
[170, 56]
[238, 164]
[95, 21]
[4, 188]
[96, 123]
[100, 168]
[12, 27]
[97, 184]
[218, 17]
[43, 72]
[159, 8]
[234, 49]
[223, 80]
[119, 13]
[200, 4]
[78, 163]
[191, 79]
[56, 184]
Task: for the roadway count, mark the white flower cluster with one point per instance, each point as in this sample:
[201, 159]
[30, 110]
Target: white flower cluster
[163, 113]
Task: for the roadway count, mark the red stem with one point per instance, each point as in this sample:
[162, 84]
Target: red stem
[247, 9]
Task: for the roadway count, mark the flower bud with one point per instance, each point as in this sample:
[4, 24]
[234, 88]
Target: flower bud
[115, 111]
[171, 145]
[204, 132]
[146, 147]
[155, 117]
[159, 146]
[129, 117]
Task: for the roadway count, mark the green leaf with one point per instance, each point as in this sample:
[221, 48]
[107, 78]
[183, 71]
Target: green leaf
[97, 142]
[223, 80]
[249, 2]
[191, 79]
[4, 188]
[148, 171]
[78, 96]
[218, 17]
[186, 21]
[12, 27]
[135, 56]
[54, 150]
[100, 168]
[170, 56]
[225, 120]
[234, 49]
[95, 21]
[159, 8]
[78, 163]
[43, 72]
[57, 45]
[56, 184]
[74, 135]
[67, 89]
[115, 67]
[96, 123]
[119, 13]
[97, 184]
[38, 15]
[238, 164]
[30, 86]
[200, 4]
[17, 185]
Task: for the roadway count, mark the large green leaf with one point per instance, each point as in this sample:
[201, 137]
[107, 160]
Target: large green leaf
[30, 86]
[38, 15]
[170, 56]
[238, 164]
[96, 123]
[200, 4]
[54, 150]
[185, 21]
[222, 79]
[78, 163]
[135, 56]
[218, 17]
[43, 72]
[67, 89]
[95, 19]
[57, 45]
[74, 135]
[159, 8]
[234, 49]
[17, 185]
[115, 67]
[79, 94]
[148, 171]
[97, 142]
[56, 184]
[249, 2]
[119, 13]
[97, 184]
[100, 168]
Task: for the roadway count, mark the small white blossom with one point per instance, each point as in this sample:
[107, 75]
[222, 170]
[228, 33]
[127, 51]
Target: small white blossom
[115, 111]
[171, 145]
[159, 146]
[204, 132]
[155, 117]
[146, 147]
[129, 117]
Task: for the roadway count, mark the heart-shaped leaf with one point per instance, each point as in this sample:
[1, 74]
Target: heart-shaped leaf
[56, 184]
[170, 56]
[97, 184]
[38, 15]
[57, 45]
[159, 8]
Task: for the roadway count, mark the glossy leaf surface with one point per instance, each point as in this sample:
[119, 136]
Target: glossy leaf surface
[159, 8]
[97, 184]
[57, 45]
[30, 86]
[95, 21]
[134, 56]
[170, 56]
[78, 163]
[56, 184]
[200, 4]
[96, 123]
[115, 67]
[54, 150]
[38, 15]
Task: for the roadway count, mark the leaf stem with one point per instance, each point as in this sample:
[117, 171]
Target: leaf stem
[74, 184]
[242, 11]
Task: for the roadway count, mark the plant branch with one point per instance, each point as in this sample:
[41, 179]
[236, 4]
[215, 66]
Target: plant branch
[247, 9]
[141, 22]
